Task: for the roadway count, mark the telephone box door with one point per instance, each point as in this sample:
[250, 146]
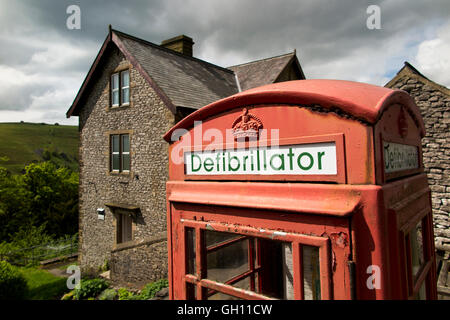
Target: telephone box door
[218, 253]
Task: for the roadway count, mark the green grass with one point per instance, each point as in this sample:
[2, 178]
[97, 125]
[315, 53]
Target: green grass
[23, 143]
[43, 285]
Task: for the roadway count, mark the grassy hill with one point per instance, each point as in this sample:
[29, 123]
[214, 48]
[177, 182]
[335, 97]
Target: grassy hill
[23, 143]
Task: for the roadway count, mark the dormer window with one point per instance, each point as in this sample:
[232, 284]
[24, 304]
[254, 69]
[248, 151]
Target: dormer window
[120, 88]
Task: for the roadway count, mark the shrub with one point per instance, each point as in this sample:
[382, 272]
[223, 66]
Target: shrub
[90, 288]
[108, 294]
[152, 288]
[124, 294]
[13, 285]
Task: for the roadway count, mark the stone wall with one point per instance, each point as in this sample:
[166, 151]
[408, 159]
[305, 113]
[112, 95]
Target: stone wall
[140, 262]
[434, 103]
[146, 119]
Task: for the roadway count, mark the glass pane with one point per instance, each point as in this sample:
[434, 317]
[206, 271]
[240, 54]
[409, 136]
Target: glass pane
[115, 97]
[311, 272]
[115, 89]
[125, 143]
[126, 162]
[288, 273]
[115, 143]
[125, 95]
[115, 162]
[125, 78]
[222, 296]
[228, 261]
[243, 284]
[190, 251]
[115, 81]
[214, 237]
[416, 248]
[421, 294]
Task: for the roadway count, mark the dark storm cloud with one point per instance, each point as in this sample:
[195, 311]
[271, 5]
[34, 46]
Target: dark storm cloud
[331, 37]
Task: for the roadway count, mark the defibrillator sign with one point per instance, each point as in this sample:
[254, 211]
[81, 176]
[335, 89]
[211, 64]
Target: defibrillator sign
[303, 159]
[399, 157]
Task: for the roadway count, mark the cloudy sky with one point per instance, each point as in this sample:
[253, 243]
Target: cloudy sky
[43, 63]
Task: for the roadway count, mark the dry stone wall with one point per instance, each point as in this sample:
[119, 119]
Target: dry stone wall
[139, 263]
[435, 108]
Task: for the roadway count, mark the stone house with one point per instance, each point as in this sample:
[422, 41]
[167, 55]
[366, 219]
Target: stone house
[434, 103]
[133, 93]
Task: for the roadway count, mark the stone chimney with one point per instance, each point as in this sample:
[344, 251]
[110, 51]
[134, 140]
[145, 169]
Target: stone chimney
[182, 44]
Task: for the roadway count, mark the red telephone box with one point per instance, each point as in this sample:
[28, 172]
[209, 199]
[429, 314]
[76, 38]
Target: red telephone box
[310, 189]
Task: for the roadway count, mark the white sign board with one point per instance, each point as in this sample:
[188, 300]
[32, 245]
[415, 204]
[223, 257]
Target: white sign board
[303, 159]
[398, 157]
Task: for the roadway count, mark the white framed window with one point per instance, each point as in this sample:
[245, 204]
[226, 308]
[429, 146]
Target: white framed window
[120, 88]
[120, 153]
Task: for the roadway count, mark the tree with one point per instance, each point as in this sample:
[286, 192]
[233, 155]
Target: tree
[14, 205]
[53, 197]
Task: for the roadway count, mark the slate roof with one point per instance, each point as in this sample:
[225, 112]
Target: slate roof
[257, 73]
[187, 81]
[181, 80]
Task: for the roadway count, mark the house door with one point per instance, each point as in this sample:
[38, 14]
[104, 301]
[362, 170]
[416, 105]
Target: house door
[254, 257]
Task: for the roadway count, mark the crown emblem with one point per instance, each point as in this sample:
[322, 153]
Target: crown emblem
[247, 126]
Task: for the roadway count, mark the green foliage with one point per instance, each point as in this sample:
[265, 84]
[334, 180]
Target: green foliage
[14, 205]
[54, 196]
[29, 236]
[21, 249]
[44, 194]
[148, 292]
[152, 288]
[124, 294]
[90, 288]
[108, 294]
[13, 285]
[104, 267]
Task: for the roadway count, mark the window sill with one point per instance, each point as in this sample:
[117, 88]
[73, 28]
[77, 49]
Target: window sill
[119, 107]
[120, 173]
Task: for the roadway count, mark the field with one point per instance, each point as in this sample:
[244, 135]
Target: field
[23, 143]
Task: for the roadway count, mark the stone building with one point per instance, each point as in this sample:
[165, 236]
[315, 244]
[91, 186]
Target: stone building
[133, 93]
[434, 102]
